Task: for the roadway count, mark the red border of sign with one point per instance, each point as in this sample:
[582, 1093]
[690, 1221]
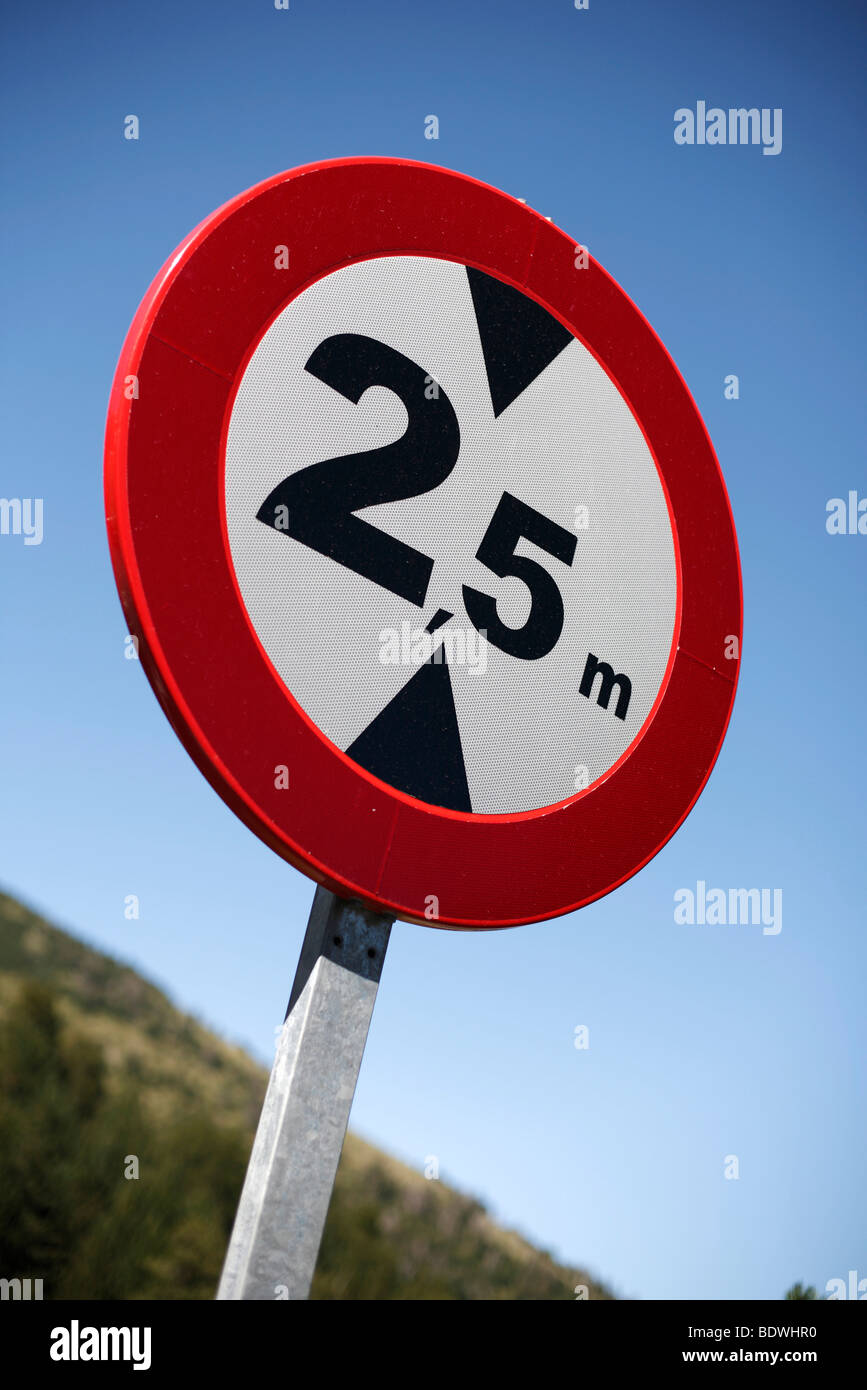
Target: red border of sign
[187, 347]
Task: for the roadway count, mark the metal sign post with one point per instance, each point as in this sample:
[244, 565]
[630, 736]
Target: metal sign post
[284, 1202]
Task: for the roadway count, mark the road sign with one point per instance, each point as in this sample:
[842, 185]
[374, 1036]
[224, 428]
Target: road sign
[424, 543]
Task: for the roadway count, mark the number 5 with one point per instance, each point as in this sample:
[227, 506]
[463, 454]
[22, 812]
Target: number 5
[540, 633]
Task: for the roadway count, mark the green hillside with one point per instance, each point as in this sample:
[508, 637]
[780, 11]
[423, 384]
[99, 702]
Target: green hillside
[101, 1075]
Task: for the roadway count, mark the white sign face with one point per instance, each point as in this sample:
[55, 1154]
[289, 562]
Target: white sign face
[450, 535]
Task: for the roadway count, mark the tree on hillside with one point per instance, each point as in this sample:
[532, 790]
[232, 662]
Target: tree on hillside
[75, 1210]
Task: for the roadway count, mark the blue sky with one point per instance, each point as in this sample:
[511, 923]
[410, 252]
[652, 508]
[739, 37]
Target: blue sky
[704, 1041]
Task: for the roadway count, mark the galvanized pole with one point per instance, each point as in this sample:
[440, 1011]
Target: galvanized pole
[284, 1202]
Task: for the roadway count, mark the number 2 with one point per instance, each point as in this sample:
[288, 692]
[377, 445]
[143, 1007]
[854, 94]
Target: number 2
[320, 500]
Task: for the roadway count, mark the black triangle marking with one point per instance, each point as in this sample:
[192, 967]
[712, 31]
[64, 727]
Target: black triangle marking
[519, 337]
[414, 744]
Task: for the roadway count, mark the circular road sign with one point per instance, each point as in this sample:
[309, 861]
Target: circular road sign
[424, 543]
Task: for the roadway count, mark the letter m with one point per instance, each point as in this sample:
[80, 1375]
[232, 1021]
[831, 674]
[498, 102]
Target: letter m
[593, 668]
[744, 126]
[10, 1288]
[10, 523]
[744, 906]
[114, 1343]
